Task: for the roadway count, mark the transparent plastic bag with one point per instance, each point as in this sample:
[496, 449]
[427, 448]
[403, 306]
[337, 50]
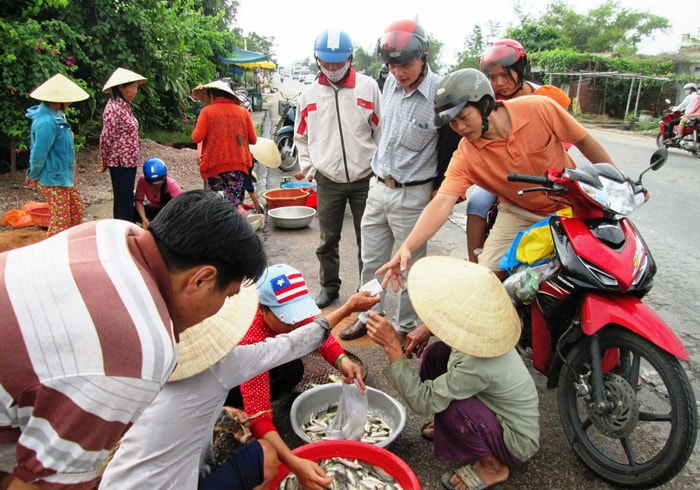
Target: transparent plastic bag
[349, 422]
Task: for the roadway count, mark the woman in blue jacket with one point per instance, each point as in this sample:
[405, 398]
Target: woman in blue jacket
[52, 152]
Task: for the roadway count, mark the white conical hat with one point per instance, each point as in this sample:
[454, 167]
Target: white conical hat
[59, 88]
[122, 76]
[266, 152]
[465, 305]
[200, 91]
[206, 343]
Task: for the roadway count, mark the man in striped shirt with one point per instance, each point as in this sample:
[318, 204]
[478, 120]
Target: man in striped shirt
[90, 321]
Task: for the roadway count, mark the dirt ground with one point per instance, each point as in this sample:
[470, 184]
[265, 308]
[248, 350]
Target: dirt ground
[95, 188]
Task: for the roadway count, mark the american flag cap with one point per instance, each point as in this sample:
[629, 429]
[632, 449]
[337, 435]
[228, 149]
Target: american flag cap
[282, 288]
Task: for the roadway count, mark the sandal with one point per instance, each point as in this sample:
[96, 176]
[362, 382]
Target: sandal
[427, 431]
[467, 474]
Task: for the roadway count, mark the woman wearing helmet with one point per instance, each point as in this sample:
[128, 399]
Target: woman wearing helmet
[405, 163]
[154, 190]
[336, 133]
[507, 67]
[691, 95]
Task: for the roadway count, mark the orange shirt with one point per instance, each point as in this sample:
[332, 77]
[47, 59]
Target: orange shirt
[539, 126]
[225, 130]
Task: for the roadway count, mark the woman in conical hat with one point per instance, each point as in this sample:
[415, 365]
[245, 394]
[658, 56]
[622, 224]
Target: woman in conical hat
[52, 152]
[472, 380]
[119, 141]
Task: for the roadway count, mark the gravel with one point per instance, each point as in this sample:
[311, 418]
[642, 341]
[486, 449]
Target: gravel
[96, 187]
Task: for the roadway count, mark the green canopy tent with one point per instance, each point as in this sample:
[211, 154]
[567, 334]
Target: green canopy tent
[241, 60]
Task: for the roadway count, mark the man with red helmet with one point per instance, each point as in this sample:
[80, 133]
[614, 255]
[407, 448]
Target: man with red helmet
[405, 163]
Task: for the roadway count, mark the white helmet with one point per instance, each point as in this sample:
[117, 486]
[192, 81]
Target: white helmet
[690, 86]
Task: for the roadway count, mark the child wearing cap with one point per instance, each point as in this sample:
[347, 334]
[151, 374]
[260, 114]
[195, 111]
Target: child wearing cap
[472, 380]
[285, 305]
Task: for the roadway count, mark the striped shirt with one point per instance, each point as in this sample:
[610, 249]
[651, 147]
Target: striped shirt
[87, 344]
[407, 151]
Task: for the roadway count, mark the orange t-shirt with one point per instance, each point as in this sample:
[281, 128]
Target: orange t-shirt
[539, 126]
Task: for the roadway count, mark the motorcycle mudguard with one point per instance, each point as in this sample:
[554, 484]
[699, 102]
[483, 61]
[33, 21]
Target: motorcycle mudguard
[629, 312]
[285, 130]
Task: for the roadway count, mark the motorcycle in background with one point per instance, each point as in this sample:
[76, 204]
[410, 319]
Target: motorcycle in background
[625, 401]
[688, 141]
[284, 132]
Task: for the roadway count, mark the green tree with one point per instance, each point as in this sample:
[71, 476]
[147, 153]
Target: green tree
[538, 37]
[607, 28]
[171, 42]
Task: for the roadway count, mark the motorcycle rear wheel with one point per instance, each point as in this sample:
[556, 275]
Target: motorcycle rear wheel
[288, 152]
[648, 437]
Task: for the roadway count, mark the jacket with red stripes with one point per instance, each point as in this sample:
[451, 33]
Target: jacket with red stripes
[337, 131]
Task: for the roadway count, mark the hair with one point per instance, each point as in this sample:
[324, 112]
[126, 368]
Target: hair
[215, 92]
[117, 93]
[200, 227]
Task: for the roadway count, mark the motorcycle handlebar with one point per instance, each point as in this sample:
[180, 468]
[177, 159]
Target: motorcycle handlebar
[530, 179]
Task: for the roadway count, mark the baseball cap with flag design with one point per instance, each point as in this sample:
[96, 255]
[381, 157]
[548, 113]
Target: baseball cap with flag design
[282, 289]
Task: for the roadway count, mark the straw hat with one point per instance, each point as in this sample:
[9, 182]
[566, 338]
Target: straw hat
[206, 343]
[265, 151]
[122, 76]
[464, 305]
[200, 91]
[59, 88]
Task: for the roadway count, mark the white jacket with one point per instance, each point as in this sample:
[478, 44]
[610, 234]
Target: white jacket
[336, 131]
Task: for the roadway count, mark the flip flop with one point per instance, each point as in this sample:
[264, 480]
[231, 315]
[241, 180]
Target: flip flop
[428, 436]
[467, 474]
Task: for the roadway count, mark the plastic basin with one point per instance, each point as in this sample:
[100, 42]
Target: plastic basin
[277, 198]
[369, 453]
[311, 200]
[41, 216]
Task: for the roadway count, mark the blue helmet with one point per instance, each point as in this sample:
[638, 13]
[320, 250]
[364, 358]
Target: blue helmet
[154, 170]
[333, 46]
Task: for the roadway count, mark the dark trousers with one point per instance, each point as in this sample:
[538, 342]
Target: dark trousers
[332, 198]
[123, 180]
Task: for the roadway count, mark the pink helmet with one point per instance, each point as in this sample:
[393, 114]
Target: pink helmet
[508, 53]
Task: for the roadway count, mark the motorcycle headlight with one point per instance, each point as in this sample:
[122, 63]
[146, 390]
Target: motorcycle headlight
[616, 197]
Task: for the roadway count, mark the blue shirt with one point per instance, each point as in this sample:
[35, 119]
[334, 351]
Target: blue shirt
[407, 150]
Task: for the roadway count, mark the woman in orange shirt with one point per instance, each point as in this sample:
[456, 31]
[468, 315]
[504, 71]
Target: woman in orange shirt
[224, 129]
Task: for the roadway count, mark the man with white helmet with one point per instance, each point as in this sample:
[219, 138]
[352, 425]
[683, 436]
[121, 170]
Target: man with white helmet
[336, 134]
[691, 95]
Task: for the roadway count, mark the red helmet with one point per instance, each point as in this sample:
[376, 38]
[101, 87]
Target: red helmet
[401, 42]
[508, 53]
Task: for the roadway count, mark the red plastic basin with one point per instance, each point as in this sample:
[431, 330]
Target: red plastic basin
[369, 453]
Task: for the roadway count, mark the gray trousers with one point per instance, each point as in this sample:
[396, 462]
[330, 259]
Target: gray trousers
[332, 199]
[389, 217]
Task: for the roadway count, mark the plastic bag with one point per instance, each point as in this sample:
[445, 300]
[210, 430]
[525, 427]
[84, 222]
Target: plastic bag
[349, 421]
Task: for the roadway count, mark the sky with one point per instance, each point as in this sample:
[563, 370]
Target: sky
[295, 23]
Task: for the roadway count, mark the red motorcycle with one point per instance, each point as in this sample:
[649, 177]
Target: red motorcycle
[688, 141]
[625, 401]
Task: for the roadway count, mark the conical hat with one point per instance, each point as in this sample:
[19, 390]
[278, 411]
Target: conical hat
[265, 151]
[465, 305]
[59, 88]
[206, 343]
[200, 91]
[122, 76]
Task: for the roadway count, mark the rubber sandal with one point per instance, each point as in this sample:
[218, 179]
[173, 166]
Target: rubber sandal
[471, 479]
[428, 436]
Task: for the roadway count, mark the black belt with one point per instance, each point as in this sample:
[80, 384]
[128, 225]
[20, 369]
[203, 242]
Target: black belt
[392, 184]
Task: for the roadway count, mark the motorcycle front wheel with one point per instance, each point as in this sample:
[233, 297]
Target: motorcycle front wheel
[659, 140]
[649, 433]
[288, 152]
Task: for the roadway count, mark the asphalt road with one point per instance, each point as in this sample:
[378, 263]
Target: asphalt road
[668, 226]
